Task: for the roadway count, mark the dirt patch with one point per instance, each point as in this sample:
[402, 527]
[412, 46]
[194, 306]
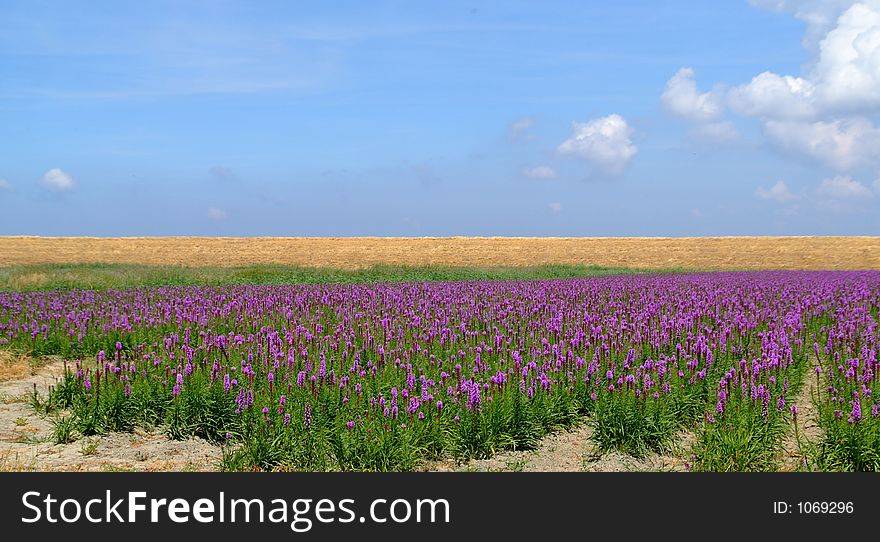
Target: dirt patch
[138, 451]
[575, 451]
[358, 252]
[25, 373]
[14, 366]
[805, 431]
[26, 438]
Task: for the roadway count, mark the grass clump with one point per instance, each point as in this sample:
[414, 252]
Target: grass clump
[96, 276]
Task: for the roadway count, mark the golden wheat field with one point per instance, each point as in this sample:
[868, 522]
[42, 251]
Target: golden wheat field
[711, 253]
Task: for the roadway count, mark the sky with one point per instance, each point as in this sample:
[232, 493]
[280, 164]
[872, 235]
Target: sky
[507, 118]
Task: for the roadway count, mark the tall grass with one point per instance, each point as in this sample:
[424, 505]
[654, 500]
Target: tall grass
[99, 276]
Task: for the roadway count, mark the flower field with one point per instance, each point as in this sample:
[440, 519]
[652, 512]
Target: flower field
[387, 376]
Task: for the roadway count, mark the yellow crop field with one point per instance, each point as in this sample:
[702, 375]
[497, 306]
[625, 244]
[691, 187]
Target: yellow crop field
[715, 253]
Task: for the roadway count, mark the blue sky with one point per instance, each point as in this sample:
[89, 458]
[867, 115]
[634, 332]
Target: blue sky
[505, 118]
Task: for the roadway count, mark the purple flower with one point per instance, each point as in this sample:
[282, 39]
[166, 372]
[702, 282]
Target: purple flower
[856, 407]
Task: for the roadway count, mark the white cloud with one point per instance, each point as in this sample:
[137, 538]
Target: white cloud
[555, 207]
[876, 186]
[848, 70]
[842, 144]
[778, 192]
[845, 73]
[722, 131]
[769, 95]
[539, 172]
[819, 15]
[842, 187]
[5, 185]
[681, 98]
[826, 111]
[57, 179]
[216, 214]
[605, 142]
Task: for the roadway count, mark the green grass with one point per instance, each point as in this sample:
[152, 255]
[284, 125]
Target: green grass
[744, 438]
[117, 276]
[640, 425]
[845, 446]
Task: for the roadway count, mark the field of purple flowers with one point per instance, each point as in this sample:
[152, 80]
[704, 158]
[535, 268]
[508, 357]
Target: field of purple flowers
[386, 376]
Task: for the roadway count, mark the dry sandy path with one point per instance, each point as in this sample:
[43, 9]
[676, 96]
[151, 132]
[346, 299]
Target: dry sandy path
[575, 451]
[806, 429]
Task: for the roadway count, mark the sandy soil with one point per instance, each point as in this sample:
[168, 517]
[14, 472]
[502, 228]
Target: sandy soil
[26, 439]
[356, 252]
[809, 431]
[574, 451]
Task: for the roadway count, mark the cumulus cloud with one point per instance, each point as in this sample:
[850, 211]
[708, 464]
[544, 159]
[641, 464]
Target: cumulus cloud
[848, 70]
[842, 188]
[605, 142]
[58, 180]
[845, 76]
[682, 99]
[5, 185]
[842, 144]
[215, 213]
[778, 192]
[769, 95]
[818, 15]
[539, 172]
[825, 112]
[555, 206]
